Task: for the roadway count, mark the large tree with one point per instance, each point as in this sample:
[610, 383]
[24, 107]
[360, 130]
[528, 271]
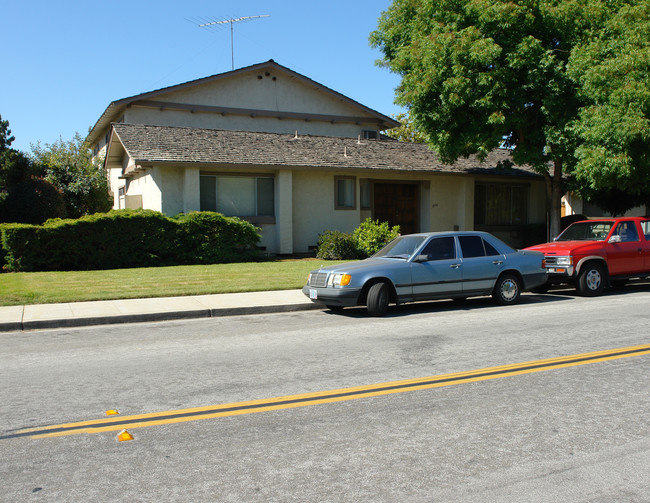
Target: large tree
[69, 167]
[25, 196]
[612, 70]
[476, 72]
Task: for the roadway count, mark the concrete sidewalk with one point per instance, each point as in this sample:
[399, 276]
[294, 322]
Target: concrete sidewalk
[76, 314]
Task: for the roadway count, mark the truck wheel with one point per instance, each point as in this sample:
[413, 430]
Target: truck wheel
[377, 299]
[507, 290]
[591, 281]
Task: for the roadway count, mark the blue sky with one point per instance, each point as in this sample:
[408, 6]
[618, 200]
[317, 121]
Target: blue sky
[65, 61]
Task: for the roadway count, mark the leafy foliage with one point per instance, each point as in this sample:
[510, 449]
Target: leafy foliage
[366, 240]
[611, 69]
[127, 238]
[68, 166]
[477, 71]
[337, 245]
[371, 236]
[406, 132]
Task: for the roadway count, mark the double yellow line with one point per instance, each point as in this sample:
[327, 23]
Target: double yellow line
[115, 423]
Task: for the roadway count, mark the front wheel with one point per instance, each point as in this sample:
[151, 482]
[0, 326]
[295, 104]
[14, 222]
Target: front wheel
[377, 299]
[591, 281]
[507, 290]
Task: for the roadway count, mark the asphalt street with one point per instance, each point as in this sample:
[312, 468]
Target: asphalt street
[574, 432]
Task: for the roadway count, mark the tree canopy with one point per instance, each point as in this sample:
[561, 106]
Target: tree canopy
[57, 181]
[476, 72]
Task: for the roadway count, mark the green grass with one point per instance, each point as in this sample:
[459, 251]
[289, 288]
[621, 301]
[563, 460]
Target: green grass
[75, 286]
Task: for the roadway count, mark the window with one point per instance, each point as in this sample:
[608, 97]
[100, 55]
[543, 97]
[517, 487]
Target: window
[440, 249]
[238, 196]
[475, 246]
[364, 189]
[369, 134]
[627, 231]
[345, 193]
[500, 204]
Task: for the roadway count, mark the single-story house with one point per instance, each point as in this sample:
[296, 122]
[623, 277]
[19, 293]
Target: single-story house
[296, 158]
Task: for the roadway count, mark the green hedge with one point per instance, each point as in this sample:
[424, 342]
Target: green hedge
[127, 238]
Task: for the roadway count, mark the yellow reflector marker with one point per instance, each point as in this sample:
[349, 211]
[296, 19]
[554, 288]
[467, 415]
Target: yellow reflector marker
[112, 412]
[124, 436]
[345, 279]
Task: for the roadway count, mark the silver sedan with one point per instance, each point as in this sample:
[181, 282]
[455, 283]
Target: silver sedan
[429, 266]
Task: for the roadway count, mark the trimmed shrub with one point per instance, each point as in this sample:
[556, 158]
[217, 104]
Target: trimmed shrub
[372, 236]
[337, 245]
[211, 238]
[127, 238]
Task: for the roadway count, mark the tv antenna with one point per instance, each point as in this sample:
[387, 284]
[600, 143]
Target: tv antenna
[211, 24]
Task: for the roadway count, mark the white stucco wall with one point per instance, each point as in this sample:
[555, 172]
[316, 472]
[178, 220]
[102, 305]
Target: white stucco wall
[313, 209]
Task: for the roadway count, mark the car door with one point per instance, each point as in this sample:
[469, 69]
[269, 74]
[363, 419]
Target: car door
[625, 256]
[440, 275]
[482, 264]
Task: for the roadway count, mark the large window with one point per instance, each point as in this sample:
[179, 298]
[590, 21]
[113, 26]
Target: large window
[238, 196]
[500, 204]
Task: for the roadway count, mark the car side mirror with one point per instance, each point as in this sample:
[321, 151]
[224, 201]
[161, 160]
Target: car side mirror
[422, 258]
[615, 239]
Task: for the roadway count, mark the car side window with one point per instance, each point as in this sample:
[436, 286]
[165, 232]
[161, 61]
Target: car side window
[440, 249]
[490, 250]
[471, 246]
[627, 232]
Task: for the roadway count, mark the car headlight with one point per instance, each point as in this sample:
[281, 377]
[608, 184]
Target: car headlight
[339, 279]
[564, 260]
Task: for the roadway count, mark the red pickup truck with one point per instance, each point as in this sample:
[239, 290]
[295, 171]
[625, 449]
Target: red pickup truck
[594, 254]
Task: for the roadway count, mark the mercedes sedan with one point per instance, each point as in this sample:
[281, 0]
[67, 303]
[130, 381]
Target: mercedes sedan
[429, 266]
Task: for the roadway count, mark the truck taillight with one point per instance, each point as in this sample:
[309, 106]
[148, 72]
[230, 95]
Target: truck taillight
[544, 263]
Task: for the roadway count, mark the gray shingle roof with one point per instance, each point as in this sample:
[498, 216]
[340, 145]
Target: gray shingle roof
[210, 147]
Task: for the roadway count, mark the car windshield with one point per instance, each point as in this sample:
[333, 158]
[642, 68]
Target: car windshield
[586, 231]
[402, 247]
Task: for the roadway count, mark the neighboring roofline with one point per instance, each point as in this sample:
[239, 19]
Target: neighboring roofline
[115, 108]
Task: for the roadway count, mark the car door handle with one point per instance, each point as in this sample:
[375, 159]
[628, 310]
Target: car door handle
[454, 266]
[498, 262]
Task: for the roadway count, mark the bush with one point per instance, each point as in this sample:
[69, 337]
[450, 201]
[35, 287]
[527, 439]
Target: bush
[211, 238]
[337, 245]
[127, 238]
[366, 240]
[372, 236]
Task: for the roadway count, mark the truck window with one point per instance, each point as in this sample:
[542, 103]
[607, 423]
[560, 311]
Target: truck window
[627, 231]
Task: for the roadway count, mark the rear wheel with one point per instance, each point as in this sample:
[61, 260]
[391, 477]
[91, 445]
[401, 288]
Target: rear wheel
[377, 302]
[507, 290]
[591, 281]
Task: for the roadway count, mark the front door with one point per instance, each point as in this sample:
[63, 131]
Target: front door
[397, 204]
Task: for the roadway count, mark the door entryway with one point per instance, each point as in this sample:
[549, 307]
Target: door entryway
[397, 204]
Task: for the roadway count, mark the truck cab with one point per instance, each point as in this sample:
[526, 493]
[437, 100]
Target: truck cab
[595, 254]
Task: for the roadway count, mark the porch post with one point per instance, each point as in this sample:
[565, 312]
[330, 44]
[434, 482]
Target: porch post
[284, 217]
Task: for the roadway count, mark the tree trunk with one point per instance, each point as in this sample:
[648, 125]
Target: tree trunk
[554, 194]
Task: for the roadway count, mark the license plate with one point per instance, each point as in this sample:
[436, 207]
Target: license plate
[313, 294]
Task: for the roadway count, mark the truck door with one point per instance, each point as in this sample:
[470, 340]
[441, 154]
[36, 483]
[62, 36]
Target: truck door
[626, 256]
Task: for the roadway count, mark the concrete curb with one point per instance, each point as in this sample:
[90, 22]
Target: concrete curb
[80, 314]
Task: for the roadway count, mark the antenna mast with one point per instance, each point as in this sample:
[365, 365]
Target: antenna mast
[231, 21]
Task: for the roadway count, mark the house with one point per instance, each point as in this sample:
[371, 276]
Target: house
[296, 158]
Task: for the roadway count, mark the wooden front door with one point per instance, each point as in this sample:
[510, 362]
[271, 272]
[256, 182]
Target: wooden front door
[397, 204]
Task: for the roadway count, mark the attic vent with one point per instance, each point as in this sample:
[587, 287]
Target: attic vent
[368, 134]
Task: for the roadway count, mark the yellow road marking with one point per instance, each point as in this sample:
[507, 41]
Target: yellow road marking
[291, 401]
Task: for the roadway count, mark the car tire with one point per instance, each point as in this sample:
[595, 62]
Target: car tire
[377, 302]
[591, 281]
[507, 290]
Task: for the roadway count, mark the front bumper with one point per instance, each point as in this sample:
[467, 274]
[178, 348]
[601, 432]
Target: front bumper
[332, 296]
